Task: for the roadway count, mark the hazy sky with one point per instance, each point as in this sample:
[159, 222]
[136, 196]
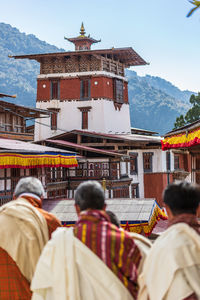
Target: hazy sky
[157, 29]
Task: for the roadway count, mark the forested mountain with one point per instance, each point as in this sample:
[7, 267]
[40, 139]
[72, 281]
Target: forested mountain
[154, 106]
[19, 76]
[154, 102]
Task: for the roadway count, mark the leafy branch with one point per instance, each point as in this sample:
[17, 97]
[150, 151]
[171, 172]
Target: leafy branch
[196, 4]
[193, 114]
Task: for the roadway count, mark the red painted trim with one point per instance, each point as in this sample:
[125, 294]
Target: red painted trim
[195, 141]
[38, 166]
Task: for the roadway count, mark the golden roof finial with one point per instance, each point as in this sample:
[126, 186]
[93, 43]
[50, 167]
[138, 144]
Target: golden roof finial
[82, 30]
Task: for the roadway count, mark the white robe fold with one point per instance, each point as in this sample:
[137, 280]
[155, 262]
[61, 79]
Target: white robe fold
[171, 270]
[144, 246]
[28, 233]
[69, 270]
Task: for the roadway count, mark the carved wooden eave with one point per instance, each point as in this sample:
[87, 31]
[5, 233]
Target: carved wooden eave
[22, 111]
[119, 182]
[82, 38]
[109, 183]
[180, 174]
[126, 56]
[8, 96]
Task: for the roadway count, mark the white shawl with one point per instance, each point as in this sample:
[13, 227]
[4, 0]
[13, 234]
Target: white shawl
[23, 234]
[69, 270]
[172, 268]
[144, 246]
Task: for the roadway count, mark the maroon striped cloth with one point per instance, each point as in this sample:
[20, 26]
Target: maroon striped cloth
[114, 246]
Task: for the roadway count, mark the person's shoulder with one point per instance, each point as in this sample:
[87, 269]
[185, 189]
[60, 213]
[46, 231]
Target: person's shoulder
[139, 237]
[52, 221]
[123, 236]
[176, 238]
[49, 216]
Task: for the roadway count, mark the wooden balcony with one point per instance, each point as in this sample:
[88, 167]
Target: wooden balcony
[22, 136]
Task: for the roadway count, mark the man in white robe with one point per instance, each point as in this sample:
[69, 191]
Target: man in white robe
[69, 270]
[172, 269]
[94, 261]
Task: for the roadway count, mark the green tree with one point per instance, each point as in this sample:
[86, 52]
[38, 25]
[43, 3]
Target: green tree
[180, 121]
[196, 6]
[193, 114]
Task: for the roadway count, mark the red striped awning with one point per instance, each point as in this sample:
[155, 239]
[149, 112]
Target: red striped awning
[182, 140]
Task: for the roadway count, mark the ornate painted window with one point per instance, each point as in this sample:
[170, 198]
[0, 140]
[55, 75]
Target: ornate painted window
[121, 192]
[114, 170]
[118, 90]
[93, 169]
[147, 162]
[133, 163]
[176, 162]
[6, 186]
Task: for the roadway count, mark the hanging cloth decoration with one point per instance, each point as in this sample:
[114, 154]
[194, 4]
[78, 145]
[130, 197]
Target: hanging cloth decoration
[182, 140]
[37, 160]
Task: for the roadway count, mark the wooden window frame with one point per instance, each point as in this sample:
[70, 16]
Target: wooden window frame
[85, 89]
[149, 156]
[121, 192]
[54, 121]
[96, 169]
[133, 161]
[84, 120]
[33, 172]
[118, 90]
[84, 116]
[135, 188]
[176, 162]
[54, 117]
[55, 89]
[168, 160]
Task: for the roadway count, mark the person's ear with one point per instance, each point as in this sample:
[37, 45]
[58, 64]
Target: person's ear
[104, 207]
[14, 197]
[198, 211]
[169, 212]
[77, 208]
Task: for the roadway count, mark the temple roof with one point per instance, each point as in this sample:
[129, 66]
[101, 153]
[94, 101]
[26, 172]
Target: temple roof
[82, 37]
[23, 111]
[117, 137]
[125, 209]
[182, 129]
[126, 55]
[5, 95]
[185, 137]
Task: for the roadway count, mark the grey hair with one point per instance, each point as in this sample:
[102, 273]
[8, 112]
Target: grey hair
[29, 185]
[90, 194]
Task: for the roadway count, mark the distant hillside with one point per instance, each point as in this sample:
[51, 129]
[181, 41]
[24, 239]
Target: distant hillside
[19, 76]
[154, 102]
[167, 87]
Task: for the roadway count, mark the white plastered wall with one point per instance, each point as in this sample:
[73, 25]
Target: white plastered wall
[103, 117]
[158, 165]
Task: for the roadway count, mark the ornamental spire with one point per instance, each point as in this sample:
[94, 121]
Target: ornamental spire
[82, 30]
[82, 42]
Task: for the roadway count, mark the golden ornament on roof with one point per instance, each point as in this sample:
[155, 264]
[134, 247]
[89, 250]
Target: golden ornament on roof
[82, 30]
